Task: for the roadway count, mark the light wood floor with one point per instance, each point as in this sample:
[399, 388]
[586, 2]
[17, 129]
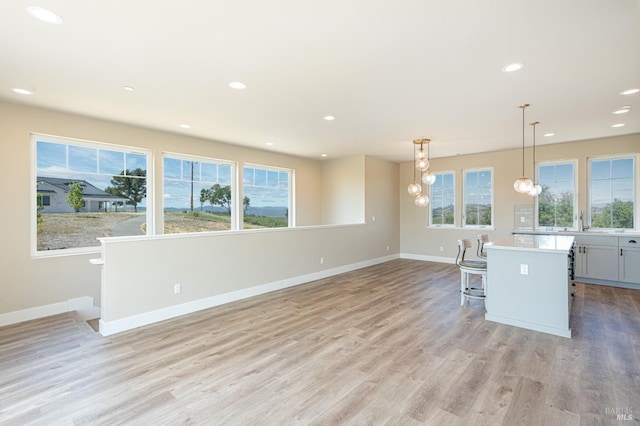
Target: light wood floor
[384, 345]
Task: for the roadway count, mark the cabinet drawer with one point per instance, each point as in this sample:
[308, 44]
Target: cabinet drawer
[597, 240]
[629, 242]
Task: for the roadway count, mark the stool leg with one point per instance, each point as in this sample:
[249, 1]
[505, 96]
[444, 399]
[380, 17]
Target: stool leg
[463, 283]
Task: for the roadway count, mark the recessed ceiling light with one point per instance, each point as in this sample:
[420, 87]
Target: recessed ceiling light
[630, 92]
[621, 111]
[44, 15]
[329, 117]
[237, 85]
[323, 155]
[269, 143]
[549, 134]
[618, 125]
[185, 126]
[22, 91]
[512, 67]
[128, 88]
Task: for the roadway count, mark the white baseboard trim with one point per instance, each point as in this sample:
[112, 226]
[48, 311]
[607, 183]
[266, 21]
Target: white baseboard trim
[529, 325]
[426, 258]
[83, 305]
[108, 328]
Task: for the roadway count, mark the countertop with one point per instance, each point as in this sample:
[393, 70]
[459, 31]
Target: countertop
[575, 233]
[541, 243]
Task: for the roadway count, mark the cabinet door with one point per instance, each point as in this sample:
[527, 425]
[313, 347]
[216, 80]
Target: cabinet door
[600, 262]
[629, 265]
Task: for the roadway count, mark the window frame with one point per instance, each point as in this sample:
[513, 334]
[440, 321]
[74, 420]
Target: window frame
[291, 222]
[464, 198]
[635, 191]
[33, 192]
[574, 225]
[444, 225]
[199, 158]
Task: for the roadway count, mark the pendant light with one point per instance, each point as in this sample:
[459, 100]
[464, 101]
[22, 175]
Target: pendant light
[428, 177]
[536, 189]
[414, 188]
[524, 184]
[421, 164]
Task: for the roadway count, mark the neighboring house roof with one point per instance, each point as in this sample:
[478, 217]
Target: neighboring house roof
[88, 190]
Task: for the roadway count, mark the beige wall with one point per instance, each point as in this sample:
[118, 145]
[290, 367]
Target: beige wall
[343, 190]
[419, 241]
[381, 206]
[31, 282]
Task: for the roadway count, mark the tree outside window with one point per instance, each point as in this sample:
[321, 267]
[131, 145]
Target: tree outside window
[612, 193]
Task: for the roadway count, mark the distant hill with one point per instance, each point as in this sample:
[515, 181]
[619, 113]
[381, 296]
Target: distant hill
[255, 211]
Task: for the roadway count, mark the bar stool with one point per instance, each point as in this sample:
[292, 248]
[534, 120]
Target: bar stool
[482, 240]
[467, 269]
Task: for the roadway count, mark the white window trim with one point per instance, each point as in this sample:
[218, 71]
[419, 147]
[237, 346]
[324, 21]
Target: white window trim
[447, 226]
[202, 159]
[464, 203]
[291, 212]
[34, 137]
[636, 189]
[575, 195]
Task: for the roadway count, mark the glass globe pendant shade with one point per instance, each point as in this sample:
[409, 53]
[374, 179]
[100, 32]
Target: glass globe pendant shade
[414, 189]
[422, 164]
[523, 185]
[422, 200]
[535, 190]
[428, 178]
[420, 155]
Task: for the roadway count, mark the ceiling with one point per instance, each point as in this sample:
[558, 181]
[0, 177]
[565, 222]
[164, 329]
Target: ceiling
[389, 71]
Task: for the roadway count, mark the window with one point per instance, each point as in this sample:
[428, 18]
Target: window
[557, 201]
[86, 190]
[266, 201]
[478, 198]
[612, 193]
[443, 200]
[197, 194]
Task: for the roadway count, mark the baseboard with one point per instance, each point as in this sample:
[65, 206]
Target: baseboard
[426, 258]
[83, 305]
[108, 328]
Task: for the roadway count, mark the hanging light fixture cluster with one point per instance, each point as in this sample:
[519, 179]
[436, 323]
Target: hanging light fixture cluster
[421, 165]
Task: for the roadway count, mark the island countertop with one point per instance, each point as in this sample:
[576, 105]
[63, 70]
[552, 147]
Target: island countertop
[543, 243]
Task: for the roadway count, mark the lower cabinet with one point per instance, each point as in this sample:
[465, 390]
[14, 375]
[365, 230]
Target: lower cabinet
[629, 261]
[597, 257]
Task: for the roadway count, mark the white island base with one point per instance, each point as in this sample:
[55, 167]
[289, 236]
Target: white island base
[529, 283]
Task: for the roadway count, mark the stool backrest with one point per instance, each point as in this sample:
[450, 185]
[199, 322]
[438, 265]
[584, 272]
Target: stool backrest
[482, 240]
[463, 245]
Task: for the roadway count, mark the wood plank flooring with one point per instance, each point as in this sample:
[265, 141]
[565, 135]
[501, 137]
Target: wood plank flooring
[384, 345]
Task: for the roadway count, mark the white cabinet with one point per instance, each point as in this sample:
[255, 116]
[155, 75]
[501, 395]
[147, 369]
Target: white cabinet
[629, 262]
[597, 257]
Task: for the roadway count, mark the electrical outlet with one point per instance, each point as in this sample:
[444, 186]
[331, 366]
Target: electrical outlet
[177, 289]
[322, 260]
[441, 249]
[387, 248]
[524, 269]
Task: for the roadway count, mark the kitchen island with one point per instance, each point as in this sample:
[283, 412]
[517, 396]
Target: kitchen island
[530, 282]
